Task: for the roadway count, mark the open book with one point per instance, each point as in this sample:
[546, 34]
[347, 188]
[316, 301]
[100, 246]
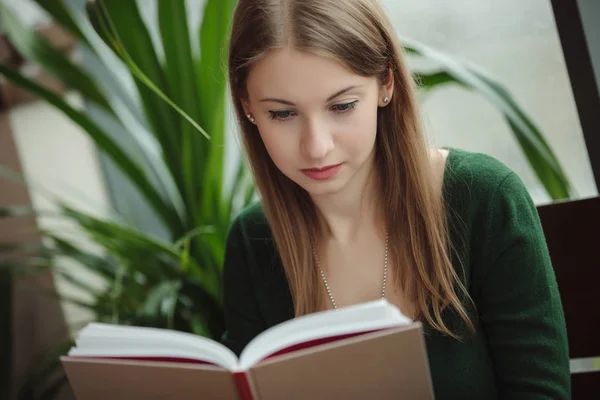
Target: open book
[369, 348]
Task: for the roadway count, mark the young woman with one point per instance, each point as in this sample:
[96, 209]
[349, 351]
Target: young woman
[355, 207]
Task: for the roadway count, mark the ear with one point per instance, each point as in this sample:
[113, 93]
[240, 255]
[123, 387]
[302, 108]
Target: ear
[386, 90]
[246, 106]
[247, 110]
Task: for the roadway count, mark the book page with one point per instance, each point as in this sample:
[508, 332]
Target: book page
[129, 342]
[312, 329]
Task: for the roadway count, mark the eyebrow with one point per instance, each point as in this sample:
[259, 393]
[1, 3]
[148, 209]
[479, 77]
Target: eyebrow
[289, 103]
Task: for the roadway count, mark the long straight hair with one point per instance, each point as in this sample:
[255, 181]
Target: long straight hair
[358, 34]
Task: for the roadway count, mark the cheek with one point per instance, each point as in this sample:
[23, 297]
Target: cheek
[360, 133]
[279, 144]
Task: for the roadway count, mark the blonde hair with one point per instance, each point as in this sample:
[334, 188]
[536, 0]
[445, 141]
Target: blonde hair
[358, 33]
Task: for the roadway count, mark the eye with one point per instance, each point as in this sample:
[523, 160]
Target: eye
[344, 107]
[282, 115]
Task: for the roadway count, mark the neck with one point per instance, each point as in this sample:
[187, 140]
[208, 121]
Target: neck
[348, 212]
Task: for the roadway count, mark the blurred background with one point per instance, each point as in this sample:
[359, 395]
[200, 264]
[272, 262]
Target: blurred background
[114, 207]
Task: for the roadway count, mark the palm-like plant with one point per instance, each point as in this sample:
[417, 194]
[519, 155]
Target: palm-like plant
[170, 113]
[151, 117]
[174, 154]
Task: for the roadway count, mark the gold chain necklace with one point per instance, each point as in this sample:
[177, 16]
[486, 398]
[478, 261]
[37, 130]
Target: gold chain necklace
[385, 267]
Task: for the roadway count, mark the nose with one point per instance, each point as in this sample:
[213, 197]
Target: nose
[317, 140]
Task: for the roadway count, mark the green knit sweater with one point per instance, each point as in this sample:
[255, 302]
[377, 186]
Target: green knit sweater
[520, 347]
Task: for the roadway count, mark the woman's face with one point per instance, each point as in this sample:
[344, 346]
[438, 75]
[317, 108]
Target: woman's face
[317, 119]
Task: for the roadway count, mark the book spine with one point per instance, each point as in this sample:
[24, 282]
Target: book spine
[243, 385]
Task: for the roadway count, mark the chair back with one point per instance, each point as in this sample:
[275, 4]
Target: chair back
[572, 230]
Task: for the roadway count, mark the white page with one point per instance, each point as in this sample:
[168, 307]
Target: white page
[379, 314]
[105, 340]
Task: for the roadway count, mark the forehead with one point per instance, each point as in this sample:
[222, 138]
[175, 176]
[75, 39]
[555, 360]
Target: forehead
[300, 76]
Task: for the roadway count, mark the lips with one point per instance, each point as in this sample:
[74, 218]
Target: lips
[324, 173]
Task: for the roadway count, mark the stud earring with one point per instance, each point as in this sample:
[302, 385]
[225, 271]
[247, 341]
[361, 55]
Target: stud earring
[250, 117]
[386, 99]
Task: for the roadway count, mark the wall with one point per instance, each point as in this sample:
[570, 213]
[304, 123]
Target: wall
[59, 161]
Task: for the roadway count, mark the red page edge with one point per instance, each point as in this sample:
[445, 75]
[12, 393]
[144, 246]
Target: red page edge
[243, 385]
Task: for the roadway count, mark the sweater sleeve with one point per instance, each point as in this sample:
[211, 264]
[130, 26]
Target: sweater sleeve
[518, 300]
[243, 320]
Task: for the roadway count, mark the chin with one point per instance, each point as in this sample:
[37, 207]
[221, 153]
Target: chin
[322, 188]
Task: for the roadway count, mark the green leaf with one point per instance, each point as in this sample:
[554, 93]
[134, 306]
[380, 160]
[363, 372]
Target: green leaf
[118, 231]
[36, 49]
[193, 233]
[430, 80]
[71, 300]
[116, 153]
[121, 24]
[199, 327]
[122, 238]
[99, 265]
[212, 313]
[161, 302]
[539, 154]
[212, 81]
[213, 45]
[75, 281]
[180, 70]
[242, 191]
